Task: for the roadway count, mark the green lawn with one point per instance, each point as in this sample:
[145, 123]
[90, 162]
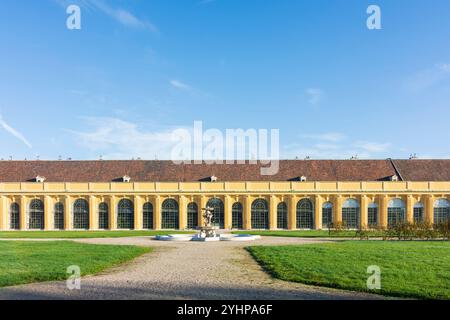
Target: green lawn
[80, 234]
[26, 262]
[307, 233]
[408, 269]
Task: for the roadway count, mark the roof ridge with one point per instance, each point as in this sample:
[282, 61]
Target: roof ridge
[397, 170]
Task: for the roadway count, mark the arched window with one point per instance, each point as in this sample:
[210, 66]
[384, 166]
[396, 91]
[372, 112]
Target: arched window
[260, 214]
[218, 213]
[81, 214]
[305, 215]
[36, 215]
[192, 213]
[418, 213]
[327, 215]
[396, 212]
[236, 216]
[170, 215]
[59, 216]
[441, 211]
[14, 216]
[372, 215]
[147, 216]
[125, 214]
[103, 216]
[282, 216]
[350, 214]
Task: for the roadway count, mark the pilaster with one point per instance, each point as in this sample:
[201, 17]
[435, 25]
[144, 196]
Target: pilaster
[273, 212]
[337, 210]
[384, 201]
[48, 213]
[138, 213]
[157, 213]
[228, 206]
[93, 212]
[429, 209]
[364, 223]
[318, 212]
[23, 212]
[67, 213]
[113, 212]
[3, 213]
[247, 213]
[410, 208]
[183, 212]
[292, 212]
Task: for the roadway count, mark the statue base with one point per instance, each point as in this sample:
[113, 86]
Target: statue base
[207, 232]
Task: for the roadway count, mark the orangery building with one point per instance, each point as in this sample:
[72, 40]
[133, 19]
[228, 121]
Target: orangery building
[159, 195]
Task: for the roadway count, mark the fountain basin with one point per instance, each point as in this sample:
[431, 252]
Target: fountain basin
[199, 238]
[239, 237]
[175, 237]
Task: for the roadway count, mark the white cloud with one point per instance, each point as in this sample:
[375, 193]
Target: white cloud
[118, 139]
[128, 19]
[315, 95]
[334, 145]
[189, 89]
[329, 136]
[14, 132]
[114, 138]
[122, 16]
[373, 146]
[320, 152]
[444, 67]
[428, 78]
[180, 85]
[326, 146]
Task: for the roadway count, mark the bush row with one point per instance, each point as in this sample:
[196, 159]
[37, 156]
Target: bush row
[399, 231]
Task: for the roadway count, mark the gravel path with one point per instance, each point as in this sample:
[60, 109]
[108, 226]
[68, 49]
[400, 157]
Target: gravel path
[184, 271]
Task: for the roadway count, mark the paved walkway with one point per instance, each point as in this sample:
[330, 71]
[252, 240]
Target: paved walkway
[220, 270]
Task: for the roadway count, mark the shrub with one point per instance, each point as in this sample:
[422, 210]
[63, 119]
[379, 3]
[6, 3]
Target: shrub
[443, 229]
[336, 228]
[402, 231]
[363, 233]
[423, 231]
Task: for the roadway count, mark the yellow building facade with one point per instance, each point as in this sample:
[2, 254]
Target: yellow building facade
[243, 205]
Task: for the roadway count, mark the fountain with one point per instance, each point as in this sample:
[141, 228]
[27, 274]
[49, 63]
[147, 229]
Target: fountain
[208, 232]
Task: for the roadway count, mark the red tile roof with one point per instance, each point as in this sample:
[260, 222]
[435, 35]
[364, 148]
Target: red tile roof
[423, 170]
[163, 171]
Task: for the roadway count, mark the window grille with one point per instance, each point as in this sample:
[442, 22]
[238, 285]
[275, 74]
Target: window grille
[170, 215]
[260, 214]
[59, 216]
[282, 216]
[305, 219]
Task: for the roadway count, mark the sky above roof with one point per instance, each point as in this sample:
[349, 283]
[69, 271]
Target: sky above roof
[137, 70]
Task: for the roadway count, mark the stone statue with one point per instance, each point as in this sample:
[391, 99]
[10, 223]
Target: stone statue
[209, 214]
[208, 230]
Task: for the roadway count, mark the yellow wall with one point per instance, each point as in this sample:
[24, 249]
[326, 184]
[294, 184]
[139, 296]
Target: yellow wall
[335, 192]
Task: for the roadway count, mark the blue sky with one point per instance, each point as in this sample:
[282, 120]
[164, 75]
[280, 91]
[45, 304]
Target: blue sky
[139, 69]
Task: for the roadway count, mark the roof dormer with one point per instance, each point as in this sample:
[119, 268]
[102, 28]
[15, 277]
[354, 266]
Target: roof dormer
[214, 179]
[303, 179]
[394, 178]
[126, 179]
[40, 179]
